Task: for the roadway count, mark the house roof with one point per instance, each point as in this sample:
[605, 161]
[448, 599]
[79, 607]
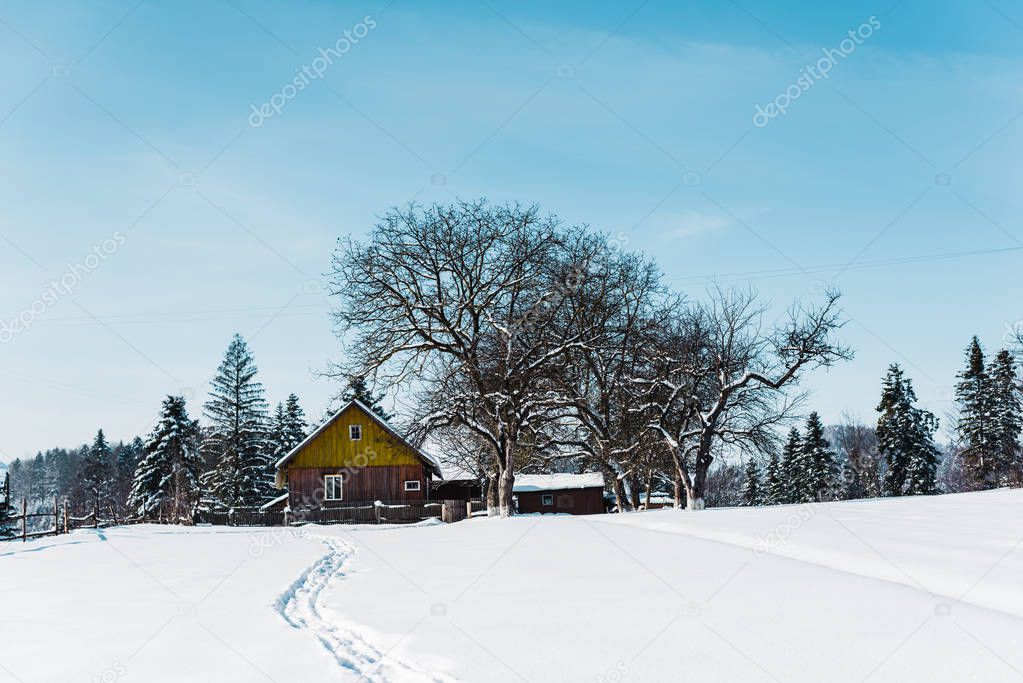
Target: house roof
[556, 482]
[269, 504]
[430, 463]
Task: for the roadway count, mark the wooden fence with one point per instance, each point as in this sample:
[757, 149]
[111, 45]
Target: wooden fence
[63, 521]
[394, 512]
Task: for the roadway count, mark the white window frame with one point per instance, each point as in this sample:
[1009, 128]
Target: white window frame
[547, 500]
[413, 485]
[355, 432]
[327, 487]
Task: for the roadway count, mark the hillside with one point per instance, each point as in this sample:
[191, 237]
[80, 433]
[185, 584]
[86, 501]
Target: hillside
[888, 590]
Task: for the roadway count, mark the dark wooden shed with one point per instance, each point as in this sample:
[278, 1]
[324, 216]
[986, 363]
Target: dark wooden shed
[572, 494]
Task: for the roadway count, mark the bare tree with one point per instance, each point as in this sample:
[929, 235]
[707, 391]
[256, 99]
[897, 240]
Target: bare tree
[717, 378]
[618, 300]
[458, 299]
[856, 444]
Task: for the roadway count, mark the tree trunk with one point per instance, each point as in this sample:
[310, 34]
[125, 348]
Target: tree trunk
[619, 492]
[492, 509]
[505, 492]
[634, 491]
[696, 488]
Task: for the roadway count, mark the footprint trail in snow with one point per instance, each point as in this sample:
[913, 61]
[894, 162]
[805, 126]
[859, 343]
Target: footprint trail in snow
[300, 606]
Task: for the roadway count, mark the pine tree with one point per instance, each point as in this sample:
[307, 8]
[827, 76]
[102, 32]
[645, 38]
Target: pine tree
[126, 458]
[358, 390]
[7, 511]
[852, 483]
[95, 476]
[166, 480]
[1006, 417]
[287, 428]
[297, 426]
[751, 489]
[242, 473]
[817, 463]
[978, 448]
[774, 482]
[905, 438]
[793, 476]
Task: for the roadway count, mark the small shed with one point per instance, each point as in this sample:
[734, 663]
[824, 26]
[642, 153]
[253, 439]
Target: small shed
[571, 494]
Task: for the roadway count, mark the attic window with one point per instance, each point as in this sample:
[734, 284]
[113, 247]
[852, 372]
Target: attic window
[547, 499]
[355, 432]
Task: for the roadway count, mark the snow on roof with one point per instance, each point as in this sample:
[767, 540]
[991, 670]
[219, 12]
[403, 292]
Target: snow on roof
[278, 499]
[657, 497]
[554, 482]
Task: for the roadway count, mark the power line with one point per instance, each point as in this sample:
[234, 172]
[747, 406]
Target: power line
[812, 270]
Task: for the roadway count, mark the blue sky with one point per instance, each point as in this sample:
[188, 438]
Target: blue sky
[126, 135]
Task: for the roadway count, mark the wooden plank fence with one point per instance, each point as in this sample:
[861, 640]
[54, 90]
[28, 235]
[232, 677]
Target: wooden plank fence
[378, 512]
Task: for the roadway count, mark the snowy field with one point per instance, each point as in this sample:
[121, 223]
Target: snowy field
[927, 589]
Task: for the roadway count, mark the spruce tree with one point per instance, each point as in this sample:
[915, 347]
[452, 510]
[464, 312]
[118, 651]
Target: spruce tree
[295, 427]
[774, 482]
[852, 483]
[752, 491]
[358, 390]
[287, 428]
[242, 473]
[126, 458]
[166, 482]
[1006, 417]
[978, 448]
[793, 476]
[7, 511]
[905, 438]
[95, 475]
[817, 463]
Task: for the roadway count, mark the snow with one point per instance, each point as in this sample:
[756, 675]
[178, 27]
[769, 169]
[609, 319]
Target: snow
[279, 499]
[657, 498]
[922, 589]
[555, 482]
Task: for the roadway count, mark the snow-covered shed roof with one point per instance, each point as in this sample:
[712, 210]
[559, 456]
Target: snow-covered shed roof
[555, 482]
[279, 499]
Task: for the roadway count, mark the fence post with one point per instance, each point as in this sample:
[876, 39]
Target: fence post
[468, 509]
[56, 517]
[67, 521]
[24, 519]
[95, 514]
[376, 510]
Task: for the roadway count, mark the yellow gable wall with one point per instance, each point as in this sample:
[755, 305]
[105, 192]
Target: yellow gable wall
[333, 448]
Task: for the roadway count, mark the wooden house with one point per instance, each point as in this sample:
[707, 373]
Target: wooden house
[354, 457]
[572, 494]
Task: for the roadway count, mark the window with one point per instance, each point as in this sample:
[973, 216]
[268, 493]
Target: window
[547, 499]
[332, 486]
[412, 485]
[355, 432]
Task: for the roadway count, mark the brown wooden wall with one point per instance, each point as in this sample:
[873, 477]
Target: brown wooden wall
[361, 485]
[566, 501]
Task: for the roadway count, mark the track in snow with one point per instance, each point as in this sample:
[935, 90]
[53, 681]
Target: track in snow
[300, 607]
